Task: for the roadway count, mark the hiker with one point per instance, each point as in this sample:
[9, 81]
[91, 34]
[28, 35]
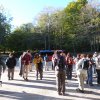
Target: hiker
[2, 69]
[46, 62]
[81, 70]
[11, 63]
[69, 64]
[89, 80]
[60, 73]
[26, 64]
[38, 62]
[98, 69]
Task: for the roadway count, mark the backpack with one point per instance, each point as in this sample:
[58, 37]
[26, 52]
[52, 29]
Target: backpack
[85, 64]
[61, 63]
[11, 62]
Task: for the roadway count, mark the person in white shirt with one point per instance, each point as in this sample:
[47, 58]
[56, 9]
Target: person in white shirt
[81, 73]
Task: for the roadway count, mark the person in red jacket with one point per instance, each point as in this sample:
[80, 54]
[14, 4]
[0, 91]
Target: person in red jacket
[26, 62]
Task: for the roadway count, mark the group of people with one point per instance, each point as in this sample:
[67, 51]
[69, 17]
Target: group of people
[85, 65]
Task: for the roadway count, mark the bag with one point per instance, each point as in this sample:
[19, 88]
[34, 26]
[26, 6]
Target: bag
[61, 63]
[85, 64]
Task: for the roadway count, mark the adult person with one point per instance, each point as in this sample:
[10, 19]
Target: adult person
[38, 65]
[60, 73]
[26, 62]
[54, 59]
[46, 62]
[98, 68]
[2, 68]
[81, 69]
[69, 64]
[11, 63]
[21, 63]
[89, 80]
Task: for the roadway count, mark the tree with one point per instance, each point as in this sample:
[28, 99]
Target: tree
[5, 27]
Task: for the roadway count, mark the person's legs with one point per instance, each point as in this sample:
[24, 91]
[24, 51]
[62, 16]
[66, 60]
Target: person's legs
[21, 70]
[24, 70]
[98, 76]
[90, 77]
[12, 73]
[41, 73]
[58, 84]
[9, 73]
[27, 68]
[63, 82]
[70, 72]
[36, 74]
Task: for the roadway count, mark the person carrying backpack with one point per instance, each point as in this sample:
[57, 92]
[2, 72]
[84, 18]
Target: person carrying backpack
[81, 70]
[60, 73]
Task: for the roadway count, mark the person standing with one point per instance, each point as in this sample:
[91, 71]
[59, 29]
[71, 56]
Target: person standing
[98, 69]
[46, 62]
[69, 64]
[90, 70]
[60, 73]
[11, 63]
[38, 65]
[81, 70]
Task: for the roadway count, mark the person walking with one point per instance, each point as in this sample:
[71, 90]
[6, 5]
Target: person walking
[60, 73]
[21, 64]
[26, 62]
[2, 69]
[11, 63]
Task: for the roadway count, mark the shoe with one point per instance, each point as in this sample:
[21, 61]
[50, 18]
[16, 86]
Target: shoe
[59, 93]
[63, 93]
[82, 91]
[78, 90]
[0, 83]
[26, 79]
[91, 85]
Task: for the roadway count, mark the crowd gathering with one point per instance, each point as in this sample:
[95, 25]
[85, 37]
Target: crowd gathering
[85, 66]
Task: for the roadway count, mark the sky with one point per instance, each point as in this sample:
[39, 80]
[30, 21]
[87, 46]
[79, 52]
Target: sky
[24, 11]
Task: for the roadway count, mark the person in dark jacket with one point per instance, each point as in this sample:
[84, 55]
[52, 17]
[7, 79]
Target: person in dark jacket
[11, 63]
[2, 69]
[60, 73]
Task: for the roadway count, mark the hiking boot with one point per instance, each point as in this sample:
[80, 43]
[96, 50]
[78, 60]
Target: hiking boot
[91, 85]
[63, 93]
[26, 79]
[59, 93]
[78, 90]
